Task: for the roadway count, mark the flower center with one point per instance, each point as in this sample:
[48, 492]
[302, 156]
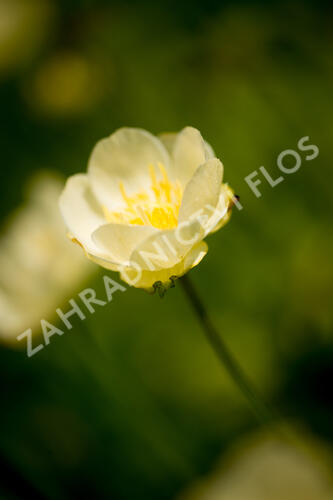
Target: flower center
[157, 207]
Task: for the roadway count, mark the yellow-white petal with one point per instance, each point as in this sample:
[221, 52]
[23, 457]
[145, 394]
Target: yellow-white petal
[210, 153]
[202, 192]
[188, 151]
[81, 211]
[223, 210]
[145, 279]
[169, 140]
[105, 262]
[124, 157]
[120, 240]
[166, 248]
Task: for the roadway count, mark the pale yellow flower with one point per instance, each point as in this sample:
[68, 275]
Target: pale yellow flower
[40, 269]
[265, 468]
[146, 204]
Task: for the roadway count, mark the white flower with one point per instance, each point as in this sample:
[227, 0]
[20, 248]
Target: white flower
[39, 267]
[146, 204]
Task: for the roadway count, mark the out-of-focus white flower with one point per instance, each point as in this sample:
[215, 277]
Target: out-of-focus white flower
[265, 468]
[39, 266]
[66, 84]
[24, 24]
[147, 203]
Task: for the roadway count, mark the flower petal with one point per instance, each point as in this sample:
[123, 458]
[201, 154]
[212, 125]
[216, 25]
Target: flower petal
[81, 211]
[195, 255]
[145, 279]
[105, 262]
[124, 157]
[210, 153]
[201, 194]
[119, 240]
[169, 140]
[188, 150]
[223, 210]
[166, 248]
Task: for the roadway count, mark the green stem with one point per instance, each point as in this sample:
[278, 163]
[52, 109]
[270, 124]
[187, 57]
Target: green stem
[221, 350]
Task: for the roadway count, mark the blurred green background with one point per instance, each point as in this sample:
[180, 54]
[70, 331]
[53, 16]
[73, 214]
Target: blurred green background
[131, 403]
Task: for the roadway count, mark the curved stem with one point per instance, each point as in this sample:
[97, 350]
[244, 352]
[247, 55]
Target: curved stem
[221, 350]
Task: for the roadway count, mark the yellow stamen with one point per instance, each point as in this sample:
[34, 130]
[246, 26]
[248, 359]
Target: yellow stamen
[157, 207]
